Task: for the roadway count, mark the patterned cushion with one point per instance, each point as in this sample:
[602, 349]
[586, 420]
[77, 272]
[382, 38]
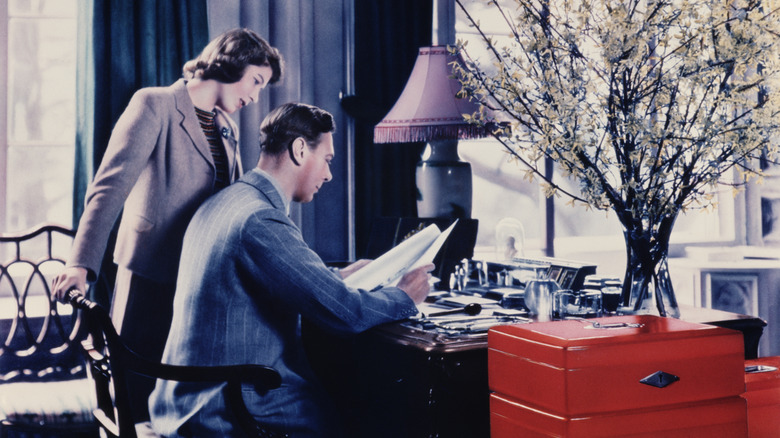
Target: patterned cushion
[47, 403]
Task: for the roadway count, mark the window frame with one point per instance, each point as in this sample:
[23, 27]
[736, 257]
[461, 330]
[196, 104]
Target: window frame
[60, 144]
[3, 112]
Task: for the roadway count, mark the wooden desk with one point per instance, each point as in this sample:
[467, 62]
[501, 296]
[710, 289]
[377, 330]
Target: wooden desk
[751, 327]
[399, 381]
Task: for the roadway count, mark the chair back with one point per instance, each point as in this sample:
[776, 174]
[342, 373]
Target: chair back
[44, 389]
[110, 361]
[36, 331]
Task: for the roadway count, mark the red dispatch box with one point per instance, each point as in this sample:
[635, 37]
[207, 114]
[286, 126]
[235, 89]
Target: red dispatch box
[762, 392]
[720, 418]
[576, 367]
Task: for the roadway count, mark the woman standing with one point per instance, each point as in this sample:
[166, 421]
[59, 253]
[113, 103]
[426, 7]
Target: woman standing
[171, 148]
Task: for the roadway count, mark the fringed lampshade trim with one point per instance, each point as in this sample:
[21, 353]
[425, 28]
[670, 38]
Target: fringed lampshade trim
[411, 134]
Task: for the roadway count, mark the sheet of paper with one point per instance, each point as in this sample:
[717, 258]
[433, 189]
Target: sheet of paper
[387, 269]
[430, 253]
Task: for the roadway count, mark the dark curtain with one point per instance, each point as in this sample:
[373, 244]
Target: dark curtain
[123, 46]
[388, 34]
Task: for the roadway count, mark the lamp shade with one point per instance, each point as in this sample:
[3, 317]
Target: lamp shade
[428, 108]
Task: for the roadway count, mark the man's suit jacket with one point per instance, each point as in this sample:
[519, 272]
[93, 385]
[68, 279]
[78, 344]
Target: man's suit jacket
[157, 166]
[246, 278]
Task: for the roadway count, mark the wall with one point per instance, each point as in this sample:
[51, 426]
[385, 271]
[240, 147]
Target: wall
[314, 38]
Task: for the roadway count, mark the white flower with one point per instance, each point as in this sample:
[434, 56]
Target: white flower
[647, 104]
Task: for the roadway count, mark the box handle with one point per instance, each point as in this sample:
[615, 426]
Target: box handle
[615, 325]
[753, 369]
[660, 379]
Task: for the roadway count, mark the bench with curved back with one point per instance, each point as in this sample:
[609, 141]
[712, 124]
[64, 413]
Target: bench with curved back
[62, 372]
[44, 390]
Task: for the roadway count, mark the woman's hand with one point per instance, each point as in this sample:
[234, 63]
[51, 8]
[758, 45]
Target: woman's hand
[70, 278]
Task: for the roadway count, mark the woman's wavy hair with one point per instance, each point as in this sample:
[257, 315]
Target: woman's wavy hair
[290, 121]
[226, 57]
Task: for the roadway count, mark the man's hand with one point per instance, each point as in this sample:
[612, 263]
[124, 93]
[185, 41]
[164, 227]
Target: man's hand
[351, 269]
[70, 278]
[417, 283]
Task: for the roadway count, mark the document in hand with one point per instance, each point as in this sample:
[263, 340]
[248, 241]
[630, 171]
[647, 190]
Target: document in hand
[387, 269]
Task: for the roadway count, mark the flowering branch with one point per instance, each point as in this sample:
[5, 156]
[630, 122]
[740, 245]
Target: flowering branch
[647, 103]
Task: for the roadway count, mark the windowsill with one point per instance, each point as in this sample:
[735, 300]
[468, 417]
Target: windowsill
[607, 252]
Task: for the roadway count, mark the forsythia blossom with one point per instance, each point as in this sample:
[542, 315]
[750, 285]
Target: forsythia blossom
[647, 103]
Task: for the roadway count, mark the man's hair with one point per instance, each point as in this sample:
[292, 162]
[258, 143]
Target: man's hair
[290, 121]
[227, 56]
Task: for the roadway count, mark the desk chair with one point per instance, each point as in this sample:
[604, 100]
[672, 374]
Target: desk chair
[44, 390]
[110, 360]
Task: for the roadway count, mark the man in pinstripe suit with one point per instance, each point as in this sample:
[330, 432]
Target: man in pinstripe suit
[247, 277]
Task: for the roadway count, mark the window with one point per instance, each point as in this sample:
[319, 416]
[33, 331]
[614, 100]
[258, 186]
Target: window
[38, 126]
[579, 233]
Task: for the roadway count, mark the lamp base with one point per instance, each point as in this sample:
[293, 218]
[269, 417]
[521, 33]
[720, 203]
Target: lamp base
[443, 182]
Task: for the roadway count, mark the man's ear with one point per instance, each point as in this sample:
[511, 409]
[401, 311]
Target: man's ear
[298, 149]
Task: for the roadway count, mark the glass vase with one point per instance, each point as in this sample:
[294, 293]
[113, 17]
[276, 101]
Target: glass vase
[647, 287]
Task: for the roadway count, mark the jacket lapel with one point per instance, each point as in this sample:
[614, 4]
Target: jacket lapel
[189, 121]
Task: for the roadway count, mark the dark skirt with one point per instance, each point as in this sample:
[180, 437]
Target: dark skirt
[141, 310]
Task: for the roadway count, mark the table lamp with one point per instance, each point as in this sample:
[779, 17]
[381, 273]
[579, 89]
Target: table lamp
[429, 110]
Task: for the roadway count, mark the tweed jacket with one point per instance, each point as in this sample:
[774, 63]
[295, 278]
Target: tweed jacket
[159, 168]
[246, 278]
